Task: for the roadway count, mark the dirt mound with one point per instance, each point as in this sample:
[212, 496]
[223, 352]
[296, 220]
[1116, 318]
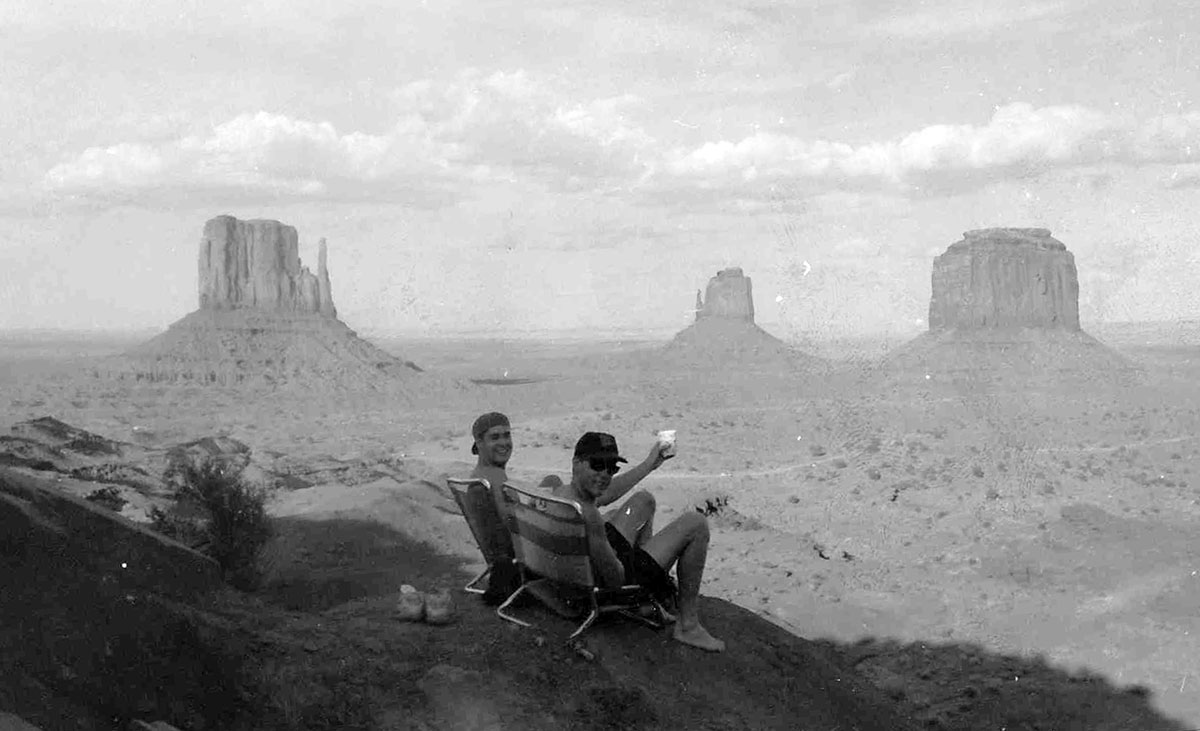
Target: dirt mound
[721, 343]
[1017, 355]
[230, 347]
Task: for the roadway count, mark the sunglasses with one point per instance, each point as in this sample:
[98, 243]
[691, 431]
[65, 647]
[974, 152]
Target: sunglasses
[599, 464]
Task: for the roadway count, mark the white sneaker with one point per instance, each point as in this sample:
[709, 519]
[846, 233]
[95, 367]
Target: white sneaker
[411, 607]
[439, 607]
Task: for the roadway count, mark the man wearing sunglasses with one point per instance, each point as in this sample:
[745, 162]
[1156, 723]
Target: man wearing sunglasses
[618, 561]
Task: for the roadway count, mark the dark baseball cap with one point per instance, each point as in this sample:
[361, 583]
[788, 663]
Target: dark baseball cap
[485, 422]
[595, 444]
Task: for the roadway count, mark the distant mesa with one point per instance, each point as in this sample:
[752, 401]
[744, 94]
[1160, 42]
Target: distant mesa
[1003, 278]
[1006, 301]
[729, 295]
[262, 317]
[724, 330]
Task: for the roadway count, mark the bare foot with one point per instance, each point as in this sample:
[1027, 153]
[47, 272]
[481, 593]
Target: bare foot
[697, 636]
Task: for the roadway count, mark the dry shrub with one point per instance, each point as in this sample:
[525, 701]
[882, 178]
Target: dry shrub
[233, 527]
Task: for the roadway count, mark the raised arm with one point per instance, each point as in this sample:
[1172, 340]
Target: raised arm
[604, 558]
[623, 482]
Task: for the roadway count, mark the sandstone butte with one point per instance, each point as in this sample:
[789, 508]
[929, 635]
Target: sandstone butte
[262, 318]
[1005, 277]
[724, 333]
[1005, 301]
[256, 264]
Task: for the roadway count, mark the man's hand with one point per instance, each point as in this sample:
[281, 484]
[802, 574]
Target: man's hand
[625, 480]
[655, 459]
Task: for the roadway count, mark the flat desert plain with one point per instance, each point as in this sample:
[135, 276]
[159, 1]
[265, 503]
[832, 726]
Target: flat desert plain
[1056, 519]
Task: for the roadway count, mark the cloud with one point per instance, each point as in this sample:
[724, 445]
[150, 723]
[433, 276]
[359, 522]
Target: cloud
[958, 18]
[447, 140]
[477, 129]
[260, 154]
[1018, 141]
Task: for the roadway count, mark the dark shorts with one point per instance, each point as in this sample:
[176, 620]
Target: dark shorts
[640, 567]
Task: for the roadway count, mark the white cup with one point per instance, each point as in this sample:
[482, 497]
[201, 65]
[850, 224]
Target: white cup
[666, 441]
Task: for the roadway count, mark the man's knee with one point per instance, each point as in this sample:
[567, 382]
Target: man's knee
[696, 524]
[642, 501]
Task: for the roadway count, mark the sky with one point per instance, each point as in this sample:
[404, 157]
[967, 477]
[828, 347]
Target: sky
[566, 167]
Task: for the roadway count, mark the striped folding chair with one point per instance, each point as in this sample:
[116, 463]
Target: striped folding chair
[474, 498]
[550, 541]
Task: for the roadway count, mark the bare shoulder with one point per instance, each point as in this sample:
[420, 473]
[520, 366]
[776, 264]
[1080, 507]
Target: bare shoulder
[494, 475]
[591, 514]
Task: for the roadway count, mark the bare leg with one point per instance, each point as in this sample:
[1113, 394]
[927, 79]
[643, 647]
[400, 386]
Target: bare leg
[635, 521]
[634, 518]
[685, 541]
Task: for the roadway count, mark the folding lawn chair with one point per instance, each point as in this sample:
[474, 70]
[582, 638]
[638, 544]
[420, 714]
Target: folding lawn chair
[550, 541]
[474, 498]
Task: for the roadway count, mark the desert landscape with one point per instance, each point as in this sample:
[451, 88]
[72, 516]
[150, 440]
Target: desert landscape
[991, 525]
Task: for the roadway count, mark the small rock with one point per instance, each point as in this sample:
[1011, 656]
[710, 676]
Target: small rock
[579, 649]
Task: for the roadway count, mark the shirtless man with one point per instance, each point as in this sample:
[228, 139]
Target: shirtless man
[684, 540]
[635, 520]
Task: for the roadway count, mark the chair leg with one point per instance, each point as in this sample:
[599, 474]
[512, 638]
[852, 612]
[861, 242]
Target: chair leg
[500, 609]
[644, 620]
[586, 623]
[471, 585]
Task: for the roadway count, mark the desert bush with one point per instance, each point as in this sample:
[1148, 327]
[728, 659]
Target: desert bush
[236, 525]
[187, 531]
[108, 497]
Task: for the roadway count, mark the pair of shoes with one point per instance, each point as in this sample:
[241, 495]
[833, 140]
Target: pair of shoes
[436, 608]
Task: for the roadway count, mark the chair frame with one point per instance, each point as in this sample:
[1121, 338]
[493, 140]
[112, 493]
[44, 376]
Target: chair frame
[622, 600]
[460, 488]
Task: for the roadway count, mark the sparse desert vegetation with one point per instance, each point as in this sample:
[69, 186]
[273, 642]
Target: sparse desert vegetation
[985, 538]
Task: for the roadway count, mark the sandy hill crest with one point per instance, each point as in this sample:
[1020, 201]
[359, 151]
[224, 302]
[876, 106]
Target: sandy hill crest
[131, 613]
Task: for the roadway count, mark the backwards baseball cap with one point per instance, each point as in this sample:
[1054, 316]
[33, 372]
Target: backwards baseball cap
[598, 444]
[485, 422]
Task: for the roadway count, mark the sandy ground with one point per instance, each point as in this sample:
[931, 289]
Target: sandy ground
[1058, 523]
